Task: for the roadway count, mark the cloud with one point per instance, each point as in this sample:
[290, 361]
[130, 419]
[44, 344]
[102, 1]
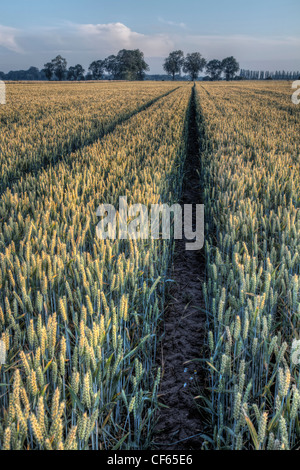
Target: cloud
[83, 43]
[8, 39]
[111, 37]
[79, 43]
[171, 23]
[95, 40]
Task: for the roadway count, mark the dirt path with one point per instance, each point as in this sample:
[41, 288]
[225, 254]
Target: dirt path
[184, 328]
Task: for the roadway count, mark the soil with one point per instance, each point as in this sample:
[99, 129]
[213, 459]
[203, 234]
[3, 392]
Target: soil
[179, 422]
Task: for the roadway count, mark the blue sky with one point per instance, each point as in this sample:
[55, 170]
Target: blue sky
[262, 34]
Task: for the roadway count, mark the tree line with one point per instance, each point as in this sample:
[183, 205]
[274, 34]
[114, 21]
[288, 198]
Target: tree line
[131, 65]
[33, 73]
[261, 75]
[194, 63]
[126, 65]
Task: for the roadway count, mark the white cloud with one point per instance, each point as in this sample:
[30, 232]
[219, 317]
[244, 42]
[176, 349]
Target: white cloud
[111, 37]
[82, 43]
[8, 38]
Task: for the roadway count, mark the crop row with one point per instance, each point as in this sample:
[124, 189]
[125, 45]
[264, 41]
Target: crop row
[251, 184]
[42, 123]
[79, 315]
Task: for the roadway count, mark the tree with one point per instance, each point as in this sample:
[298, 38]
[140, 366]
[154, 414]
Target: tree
[111, 66]
[193, 65]
[230, 67]
[96, 69]
[32, 73]
[131, 64]
[76, 73]
[214, 69]
[174, 63]
[127, 65]
[59, 67]
[48, 70]
[71, 74]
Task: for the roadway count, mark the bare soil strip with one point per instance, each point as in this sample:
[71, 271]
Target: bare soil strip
[183, 338]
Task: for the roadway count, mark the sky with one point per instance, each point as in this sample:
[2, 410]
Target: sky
[261, 34]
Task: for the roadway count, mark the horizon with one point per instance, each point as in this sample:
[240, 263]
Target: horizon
[262, 36]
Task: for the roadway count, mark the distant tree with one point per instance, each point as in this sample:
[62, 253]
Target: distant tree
[127, 65]
[96, 69]
[141, 67]
[230, 67]
[174, 63]
[131, 64]
[214, 69]
[48, 70]
[76, 73]
[194, 63]
[80, 72]
[32, 73]
[111, 65]
[71, 74]
[59, 67]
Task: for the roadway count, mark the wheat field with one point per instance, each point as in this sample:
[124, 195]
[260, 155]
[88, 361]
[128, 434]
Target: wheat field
[81, 318]
[251, 184]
